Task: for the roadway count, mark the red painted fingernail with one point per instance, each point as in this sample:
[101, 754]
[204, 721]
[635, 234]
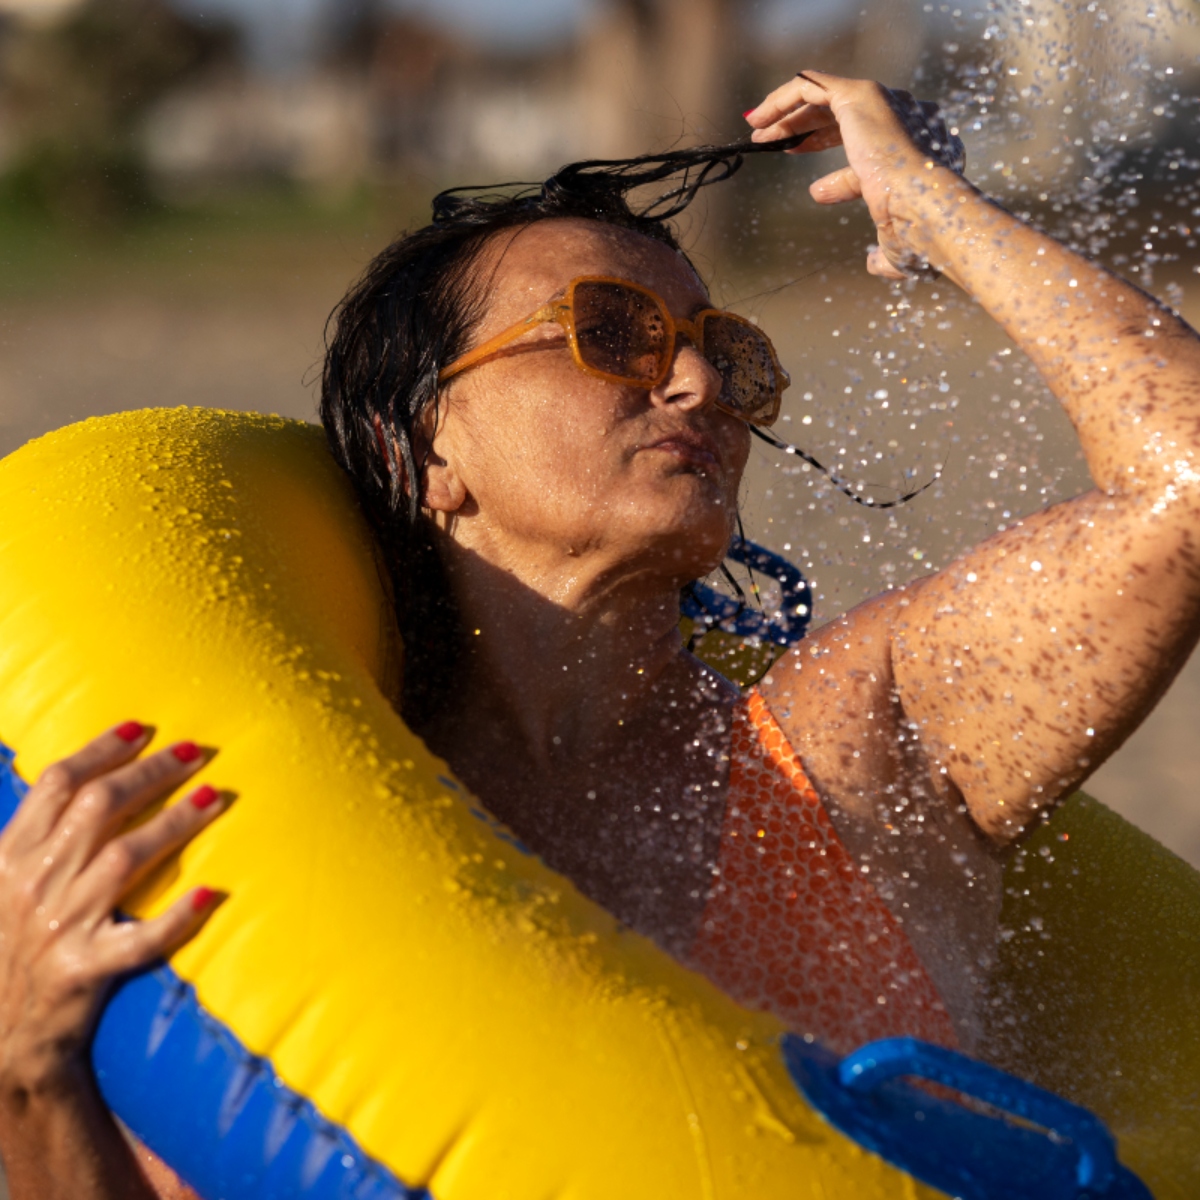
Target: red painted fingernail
[202, 897]
[186, 752]
[202, 797]
[747, 113]
[130, 731]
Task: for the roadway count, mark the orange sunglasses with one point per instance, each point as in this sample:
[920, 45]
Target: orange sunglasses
[624, 333]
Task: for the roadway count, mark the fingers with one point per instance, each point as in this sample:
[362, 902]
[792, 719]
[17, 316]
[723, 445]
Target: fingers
[824, 138]
[123, 863]
[104, 805]
[795, 105]
[808, 118]
[39, 812]
[62, 874]
[798, 106]
[129, 945]
[814, 100]
[891, 140]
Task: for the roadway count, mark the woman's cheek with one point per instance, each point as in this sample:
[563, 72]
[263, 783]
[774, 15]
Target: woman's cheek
[737, 455]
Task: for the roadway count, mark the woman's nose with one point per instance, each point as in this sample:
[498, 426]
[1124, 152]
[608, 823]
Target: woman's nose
[691, 383]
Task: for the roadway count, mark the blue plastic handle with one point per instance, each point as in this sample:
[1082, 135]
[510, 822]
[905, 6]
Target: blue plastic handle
[880, 1062]
[1038, 1147]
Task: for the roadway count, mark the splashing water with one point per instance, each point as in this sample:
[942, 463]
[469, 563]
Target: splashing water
[1079, 117]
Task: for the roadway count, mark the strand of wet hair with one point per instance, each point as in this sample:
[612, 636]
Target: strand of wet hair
[699, 167]
[842, 485]
[715, 163]
[749, 567]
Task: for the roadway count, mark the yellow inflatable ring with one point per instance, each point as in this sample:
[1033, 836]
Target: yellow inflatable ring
[397, 1000]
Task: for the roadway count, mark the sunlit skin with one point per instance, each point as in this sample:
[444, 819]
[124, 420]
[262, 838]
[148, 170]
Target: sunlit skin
[569, 512]
[572, 511]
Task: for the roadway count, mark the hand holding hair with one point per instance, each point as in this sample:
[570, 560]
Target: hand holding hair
[900, 152]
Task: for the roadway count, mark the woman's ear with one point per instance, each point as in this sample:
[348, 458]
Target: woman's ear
[443, 490]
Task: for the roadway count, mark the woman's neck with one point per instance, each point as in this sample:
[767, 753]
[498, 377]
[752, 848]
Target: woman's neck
[559, 657]
[580, 721]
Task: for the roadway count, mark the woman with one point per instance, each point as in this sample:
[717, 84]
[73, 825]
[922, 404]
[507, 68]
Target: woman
[826, 847]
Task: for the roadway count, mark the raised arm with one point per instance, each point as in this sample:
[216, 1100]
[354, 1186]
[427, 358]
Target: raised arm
[1028, 660]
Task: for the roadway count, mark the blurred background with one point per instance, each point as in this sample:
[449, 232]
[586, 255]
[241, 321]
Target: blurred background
[188, 186]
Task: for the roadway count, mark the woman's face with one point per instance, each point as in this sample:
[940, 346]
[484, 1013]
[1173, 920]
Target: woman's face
[535, 458]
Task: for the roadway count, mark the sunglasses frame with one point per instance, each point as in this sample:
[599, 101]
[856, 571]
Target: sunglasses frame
[562, 312]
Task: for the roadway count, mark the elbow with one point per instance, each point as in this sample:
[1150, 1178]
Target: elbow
[1163, 480]
[1003, 813]
[1178, 486]
[1001, 819]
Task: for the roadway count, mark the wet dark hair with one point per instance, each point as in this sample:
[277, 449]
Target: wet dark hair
[414, 311]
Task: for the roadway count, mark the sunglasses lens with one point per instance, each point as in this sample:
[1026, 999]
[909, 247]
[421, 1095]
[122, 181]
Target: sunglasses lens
[620, 331]
[743, 356]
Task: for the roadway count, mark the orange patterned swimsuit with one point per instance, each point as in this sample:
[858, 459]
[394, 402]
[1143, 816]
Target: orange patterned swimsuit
[792, 925]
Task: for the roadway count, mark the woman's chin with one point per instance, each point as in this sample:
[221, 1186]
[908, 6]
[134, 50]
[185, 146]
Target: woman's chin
[683, 528]
[689, 547]
[692, 498]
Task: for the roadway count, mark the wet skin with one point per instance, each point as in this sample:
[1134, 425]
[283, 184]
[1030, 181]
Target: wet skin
[936, 720]
[579, 718]
[572, 511]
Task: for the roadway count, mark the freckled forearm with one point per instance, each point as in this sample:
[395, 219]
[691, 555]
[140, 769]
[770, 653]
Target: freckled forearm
[1125, 368]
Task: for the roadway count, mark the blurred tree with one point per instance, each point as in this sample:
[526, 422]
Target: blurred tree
[662, 72]
[73, 94]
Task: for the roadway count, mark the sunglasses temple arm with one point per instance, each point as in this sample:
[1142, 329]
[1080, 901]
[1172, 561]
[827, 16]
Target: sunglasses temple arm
[548, 312]
[834, 478]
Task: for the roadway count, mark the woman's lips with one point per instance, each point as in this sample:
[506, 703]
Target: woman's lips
[693, 448]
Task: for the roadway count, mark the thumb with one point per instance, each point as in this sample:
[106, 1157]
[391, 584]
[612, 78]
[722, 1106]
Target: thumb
[837, 187]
